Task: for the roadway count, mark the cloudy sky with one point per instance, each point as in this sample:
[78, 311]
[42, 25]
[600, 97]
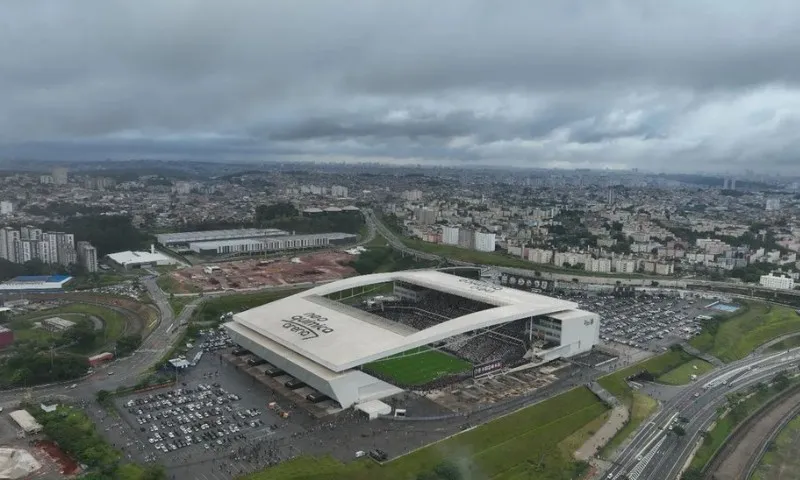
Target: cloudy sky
[678, 85]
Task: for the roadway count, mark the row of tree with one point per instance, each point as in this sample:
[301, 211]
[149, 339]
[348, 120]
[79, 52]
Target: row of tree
[28, 367]
[76, 435]
[385, 259]
[285, 216]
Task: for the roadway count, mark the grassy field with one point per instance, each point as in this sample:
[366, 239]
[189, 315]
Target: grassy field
[25, 331]
[113, 322]
[682, 374]
[211, 309]
[640, 406]
[524, 445]
[169, 285]
[178, 303]
[658, 365]
[738, 335]
[418, 366]
[784, 455]
[104, 279]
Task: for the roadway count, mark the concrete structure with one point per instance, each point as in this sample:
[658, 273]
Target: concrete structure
[625, 266]
[484, 242]
[322, 342]
[9, 244]
[466, 238]
[412, 195]
[87, 256]
[778, 283]
[339, 191]
[60, 176]
[6, 208]
[26, 422]
[270, 244]
[425, 216]
[598, 265]
[57, 324]
[374, 408]
[30, 233]
[185, 238]
[130, 259]
[450, 235]
[539, 255]
[773, 204]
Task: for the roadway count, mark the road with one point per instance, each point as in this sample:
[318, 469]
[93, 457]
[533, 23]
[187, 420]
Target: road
[655, 453]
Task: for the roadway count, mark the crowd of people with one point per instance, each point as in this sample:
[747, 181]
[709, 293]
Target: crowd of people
[504, 343]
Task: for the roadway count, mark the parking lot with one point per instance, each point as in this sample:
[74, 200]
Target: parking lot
[650, 323]
[214, 418]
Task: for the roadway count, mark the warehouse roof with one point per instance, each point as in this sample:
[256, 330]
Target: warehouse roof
[138, 258]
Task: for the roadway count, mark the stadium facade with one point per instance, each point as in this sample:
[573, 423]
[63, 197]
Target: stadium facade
[321, 339]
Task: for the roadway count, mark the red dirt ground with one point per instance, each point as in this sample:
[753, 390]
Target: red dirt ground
[254, 273]
[68, 465]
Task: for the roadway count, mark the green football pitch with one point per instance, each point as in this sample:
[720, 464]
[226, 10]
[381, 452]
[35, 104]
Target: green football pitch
[418, 366]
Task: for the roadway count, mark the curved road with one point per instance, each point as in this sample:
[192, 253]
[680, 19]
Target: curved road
[124, 370]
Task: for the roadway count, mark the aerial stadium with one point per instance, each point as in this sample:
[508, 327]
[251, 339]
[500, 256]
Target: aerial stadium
[369, 337]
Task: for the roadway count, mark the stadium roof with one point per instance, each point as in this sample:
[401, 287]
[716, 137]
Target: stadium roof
[339, 337]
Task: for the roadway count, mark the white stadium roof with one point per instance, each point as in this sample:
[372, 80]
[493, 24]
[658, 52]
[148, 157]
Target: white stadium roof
[339, 337]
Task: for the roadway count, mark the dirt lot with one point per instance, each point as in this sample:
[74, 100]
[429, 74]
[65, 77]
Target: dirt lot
[254, 273]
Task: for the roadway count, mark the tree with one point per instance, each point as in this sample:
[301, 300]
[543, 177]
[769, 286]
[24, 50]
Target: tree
[128, 344]
[448, 471]
[83, 334]
[678, 430]
[102, 396]
[781, 381]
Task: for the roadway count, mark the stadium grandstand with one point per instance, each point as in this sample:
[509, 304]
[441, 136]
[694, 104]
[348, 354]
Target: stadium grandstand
[367, 337]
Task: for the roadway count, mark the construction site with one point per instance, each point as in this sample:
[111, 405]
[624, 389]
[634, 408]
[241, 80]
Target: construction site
[257, 273]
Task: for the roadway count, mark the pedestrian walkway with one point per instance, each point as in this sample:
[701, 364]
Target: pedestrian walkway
[615, 422]
[603, 394]
[697, 353]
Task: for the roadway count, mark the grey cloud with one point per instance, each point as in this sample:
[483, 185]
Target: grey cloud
[648, 84]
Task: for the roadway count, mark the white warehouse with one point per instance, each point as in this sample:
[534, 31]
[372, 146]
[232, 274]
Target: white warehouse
[287, 242]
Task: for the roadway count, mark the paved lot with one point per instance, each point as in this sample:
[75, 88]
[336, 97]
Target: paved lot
[211, 413]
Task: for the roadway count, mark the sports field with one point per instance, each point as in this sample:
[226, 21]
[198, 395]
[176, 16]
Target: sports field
[418, 366]
[739, 334]
[531, 443]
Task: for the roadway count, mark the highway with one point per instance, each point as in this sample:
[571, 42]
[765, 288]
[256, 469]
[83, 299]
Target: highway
[655, 453]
